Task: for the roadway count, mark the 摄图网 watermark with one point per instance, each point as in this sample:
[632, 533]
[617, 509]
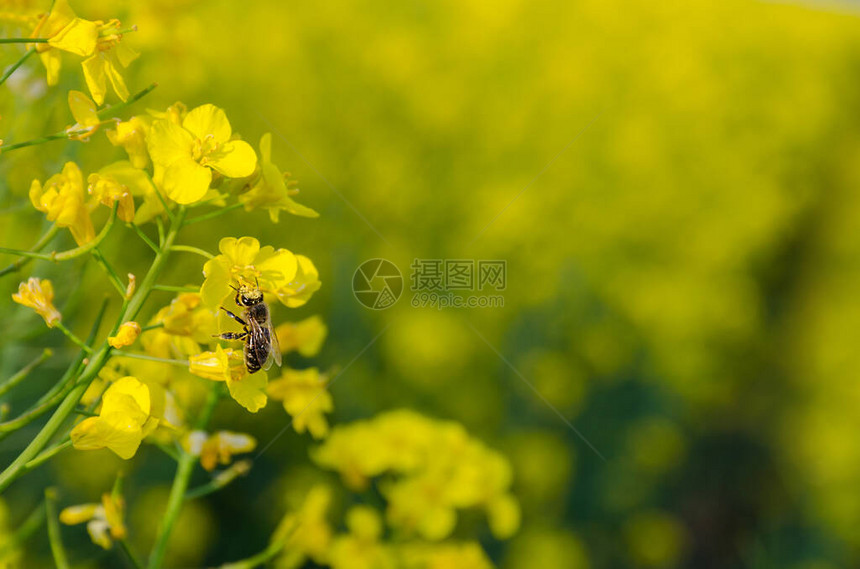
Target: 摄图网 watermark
[435, 283]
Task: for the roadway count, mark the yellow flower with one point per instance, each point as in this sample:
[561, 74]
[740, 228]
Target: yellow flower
[104, 521]
[217, 448]
[62, 198]
[249, 391]
[121, 182]
[244, 260]
[123, 421]
[467, 555]
[434, 468]
[270, 190]
[39, 295]
[306, 336]
[108, 191]
[299, 290]
[86, 116]
[110, 56]
[306, 532]
[360, 549]
[187, 316]
[131, 135]
[65, 32]
[186, 154]
[126, 335]
[304, 395]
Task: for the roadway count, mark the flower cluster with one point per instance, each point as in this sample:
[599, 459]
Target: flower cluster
[434, 468]
[97, 42]
[426, 471]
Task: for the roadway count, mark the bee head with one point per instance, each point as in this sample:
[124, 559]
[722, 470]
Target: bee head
[248, 295]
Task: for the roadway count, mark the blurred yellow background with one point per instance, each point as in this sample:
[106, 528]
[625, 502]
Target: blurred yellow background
[674, 188]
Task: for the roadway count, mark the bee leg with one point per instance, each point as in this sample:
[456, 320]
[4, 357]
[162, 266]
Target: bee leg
[234, 317]
[231, 335]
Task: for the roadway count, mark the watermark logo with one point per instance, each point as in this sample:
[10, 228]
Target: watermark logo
[377, 284]
[458, 283]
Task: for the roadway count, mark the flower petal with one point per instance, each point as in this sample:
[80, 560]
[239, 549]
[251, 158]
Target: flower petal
[206, 120]
[240, 252]
[234, 159]
[250, 391]
[186, 181]
[78, 36]
[83, 109]
[168, 142]
[94, 75]
[277, 268]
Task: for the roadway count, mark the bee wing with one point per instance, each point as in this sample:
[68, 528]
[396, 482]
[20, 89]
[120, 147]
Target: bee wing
[266, 343]
[258, 344]
[275, 351]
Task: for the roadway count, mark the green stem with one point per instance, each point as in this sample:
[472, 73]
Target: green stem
[69, 134]
[119, 354]
[160, 225]
[214, 214]
[33, 522]
[59, 390]
[173, 288]
[96, 362]
[112, 276]
[220, 480]
[21, 375]
[71, 336]
[124, 547]
[17, 64]
[40, 244]
[258, 559]
[180, 484]
[143, 236]
[196, 250]
[23, 40]
[105, 112]
[41, 140]
[71, 253]
[152, 327]
[56, 449]
[60, 559]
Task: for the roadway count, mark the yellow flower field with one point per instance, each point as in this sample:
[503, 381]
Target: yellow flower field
[429, 285]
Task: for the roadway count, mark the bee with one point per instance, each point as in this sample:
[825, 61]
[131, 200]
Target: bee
[261, 343]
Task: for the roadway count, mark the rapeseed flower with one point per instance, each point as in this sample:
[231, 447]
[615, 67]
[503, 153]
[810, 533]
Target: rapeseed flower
[243, 260]
[217, 448]
[300, 289]
[124, 420]
[120, 182]
[86, 115]
[126, 335]
[228, 366]
[104, 520]
[65, 32]
[39, 295]
[270, 191]
[62, 199]
[307, 533]
[185, 154]
[436, 469]
[305, 337]
[304, 396]
[131, 135]
[468, 555]
[109, 57]
[361, 548]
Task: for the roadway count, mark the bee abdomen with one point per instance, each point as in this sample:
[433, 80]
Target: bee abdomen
[251, 361]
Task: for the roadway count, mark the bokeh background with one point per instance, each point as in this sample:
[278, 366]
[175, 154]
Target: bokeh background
[683, 266]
